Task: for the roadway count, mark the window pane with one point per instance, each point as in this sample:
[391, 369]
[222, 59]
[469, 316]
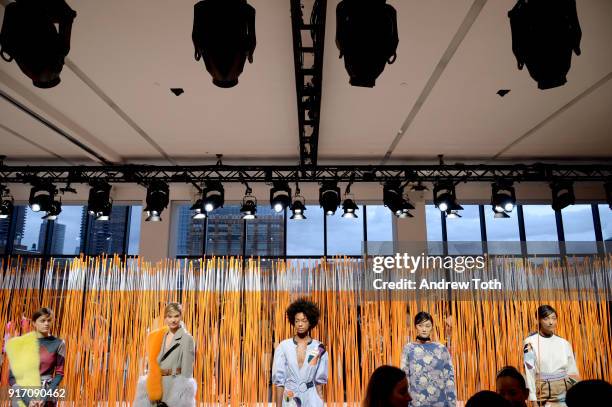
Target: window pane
[433, 220]
[224, 232]
[465, 229]
[265, 234]
[502, 233]
[380, 229]
[605, 216]
[344, 235]
[188, 232]
[108, 236]
[540, 226]
[68, 229]
[134, 236]
[29, 231]
[578, 229]
[305, 237]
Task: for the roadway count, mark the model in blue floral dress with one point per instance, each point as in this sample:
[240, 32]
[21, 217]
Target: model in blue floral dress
[429, 369]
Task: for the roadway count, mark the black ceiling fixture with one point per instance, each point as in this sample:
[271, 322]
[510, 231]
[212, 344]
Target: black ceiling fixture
[100, 204]
[224, 37]
[544, 34]
[30, 37]
[280, 196]
[329, 197]
[308, 79]
[562, 194]
[6, 202]
[213, 196]
[430, 173]
[158, 198]
[41, 196]
[445, 198]
[503, 198]
[366, 35]
[248, 209]
[503, 92]
[298, 206]
[177, 91]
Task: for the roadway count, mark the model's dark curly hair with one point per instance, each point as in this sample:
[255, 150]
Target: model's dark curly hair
[308, 308]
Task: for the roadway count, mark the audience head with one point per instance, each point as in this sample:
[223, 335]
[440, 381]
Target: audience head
[589, 393]
[510, 384]
[487, 398]
[388, 387]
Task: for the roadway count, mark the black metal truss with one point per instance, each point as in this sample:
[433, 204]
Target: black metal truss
[457, 173]
[308, 79]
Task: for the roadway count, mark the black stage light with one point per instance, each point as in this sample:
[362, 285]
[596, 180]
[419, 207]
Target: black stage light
[562, 194]
[608, 188]
[349, 208]
[280, 196]
[452, 214]
[158, 197]
[54, 211]
[405, 208]
[249, 205]
[41, 196]
[99, 204]
[393, 196]
[503, 197]
[329, 197]
[224, 37]
[445, 198]
[30, 37]
[298, 206]
[500, 215]
[544, 34]
[366, 35]
[6, 203]
[198, 210]
[213, 195]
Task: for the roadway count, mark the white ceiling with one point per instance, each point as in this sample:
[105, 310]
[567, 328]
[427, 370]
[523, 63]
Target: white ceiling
[438, 98]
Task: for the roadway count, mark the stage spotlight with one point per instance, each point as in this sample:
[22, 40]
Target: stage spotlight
[404, 210]
[562, 194]
[500, 215]
[41, 197]
[224, 37]
[329, 197]
[503, 197]
[198, 210]
[544, 34]
[99, 203]
[6, 207]
[298, 206]
[280, 196]
[54, 211]
[158, 197]
[30, 37]
[213, 196]
[6, 202]
[349, 208]
[249, 205]
[393, 196]
[452, 214]
[366, 35]
[445, 198]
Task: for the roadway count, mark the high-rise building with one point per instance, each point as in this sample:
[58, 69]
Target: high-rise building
[59, 236]
[189, 232]
[106, 237]
[18, 217]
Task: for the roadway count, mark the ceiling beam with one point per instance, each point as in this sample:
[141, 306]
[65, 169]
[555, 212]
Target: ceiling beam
[308, 79]
[456, 173]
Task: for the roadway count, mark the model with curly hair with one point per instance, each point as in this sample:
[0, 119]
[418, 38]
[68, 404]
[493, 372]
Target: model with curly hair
[299, 370]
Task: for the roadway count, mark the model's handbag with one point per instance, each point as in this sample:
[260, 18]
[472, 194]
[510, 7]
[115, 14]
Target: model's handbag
[553, 390]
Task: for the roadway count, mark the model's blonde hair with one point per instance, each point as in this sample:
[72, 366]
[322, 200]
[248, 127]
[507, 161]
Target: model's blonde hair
[173, 307]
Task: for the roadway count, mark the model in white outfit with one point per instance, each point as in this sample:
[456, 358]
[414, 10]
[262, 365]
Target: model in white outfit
[548, 358]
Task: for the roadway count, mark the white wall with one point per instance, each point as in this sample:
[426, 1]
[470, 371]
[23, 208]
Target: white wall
[155, 236]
